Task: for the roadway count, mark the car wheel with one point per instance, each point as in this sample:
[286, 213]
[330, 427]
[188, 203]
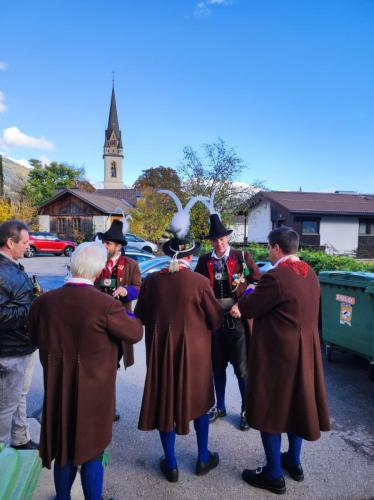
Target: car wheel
[30, 252]
[68, 251]
[147, 249]
[58, 254]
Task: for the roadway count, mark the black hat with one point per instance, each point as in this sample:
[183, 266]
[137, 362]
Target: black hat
[180, 247]
[217, 229]
[114, 233]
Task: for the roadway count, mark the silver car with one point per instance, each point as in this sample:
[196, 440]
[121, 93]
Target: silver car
[137, 242]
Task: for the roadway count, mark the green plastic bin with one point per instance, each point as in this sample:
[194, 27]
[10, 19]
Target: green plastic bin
[19, 473]
[347, 303]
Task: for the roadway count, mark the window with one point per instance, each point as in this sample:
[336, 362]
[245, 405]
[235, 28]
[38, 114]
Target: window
[130, 237]
[310, 227]
[366, 228]
[114, 169]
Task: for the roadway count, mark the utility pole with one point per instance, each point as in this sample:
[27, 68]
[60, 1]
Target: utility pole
[1, 177]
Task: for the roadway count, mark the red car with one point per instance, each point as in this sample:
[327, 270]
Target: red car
[42, 242]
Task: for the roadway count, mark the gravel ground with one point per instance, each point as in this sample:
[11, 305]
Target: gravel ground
[338, 466]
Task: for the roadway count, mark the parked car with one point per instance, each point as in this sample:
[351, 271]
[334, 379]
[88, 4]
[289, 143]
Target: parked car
[157, 264]
[45, 242]
[264, 265]
[138, 255]
[137, 242]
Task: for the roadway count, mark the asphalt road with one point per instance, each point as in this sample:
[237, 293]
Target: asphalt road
[338, 466]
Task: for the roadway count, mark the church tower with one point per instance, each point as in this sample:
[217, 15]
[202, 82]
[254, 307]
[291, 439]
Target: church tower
[113, 149]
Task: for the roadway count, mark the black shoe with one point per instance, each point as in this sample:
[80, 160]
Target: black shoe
[258, 479]
[30, 445]
[116, 415]
[295, 471]
[215, 413]
[170, 474]
[243, 426]
[203, 468]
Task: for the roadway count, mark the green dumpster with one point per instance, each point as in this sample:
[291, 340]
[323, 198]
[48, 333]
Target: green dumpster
[19, 473]
[347, 303]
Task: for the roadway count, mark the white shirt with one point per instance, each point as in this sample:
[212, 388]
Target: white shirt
[224, 256]
[79, 281]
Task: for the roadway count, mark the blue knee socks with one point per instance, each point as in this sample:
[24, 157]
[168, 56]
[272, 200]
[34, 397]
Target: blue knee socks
[201, 425]
[92, 477]
[220, 386]
[272, 446]
[64, 479]
[168, 444]
[294, 449]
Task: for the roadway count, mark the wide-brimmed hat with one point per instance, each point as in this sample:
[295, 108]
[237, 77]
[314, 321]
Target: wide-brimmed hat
[216, 229]
[180, 247]
[114, 233]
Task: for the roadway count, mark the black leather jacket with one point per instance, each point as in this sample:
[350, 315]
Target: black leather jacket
[16, 296]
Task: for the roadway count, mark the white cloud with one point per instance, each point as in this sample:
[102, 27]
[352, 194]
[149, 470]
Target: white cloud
[3, 65]
[12, 136]
[45, 160]
[2, 102]
[204, 7]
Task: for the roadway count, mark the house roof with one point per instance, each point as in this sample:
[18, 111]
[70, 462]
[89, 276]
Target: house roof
[321, 203]
[130, 195]
[107, 205]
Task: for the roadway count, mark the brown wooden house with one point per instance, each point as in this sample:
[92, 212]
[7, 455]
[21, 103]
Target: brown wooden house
[71, 212]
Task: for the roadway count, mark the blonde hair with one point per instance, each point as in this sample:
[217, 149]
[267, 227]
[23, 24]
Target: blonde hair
[88, 260]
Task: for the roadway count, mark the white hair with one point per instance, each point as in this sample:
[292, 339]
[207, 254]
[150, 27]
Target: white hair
[88, 260]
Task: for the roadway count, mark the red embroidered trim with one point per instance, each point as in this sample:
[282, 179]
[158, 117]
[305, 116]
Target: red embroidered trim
[297, 266]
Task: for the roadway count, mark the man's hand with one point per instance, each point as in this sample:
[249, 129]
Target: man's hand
[120, 292]
[234, 311]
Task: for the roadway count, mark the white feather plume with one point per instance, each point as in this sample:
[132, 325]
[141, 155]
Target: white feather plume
[180, 223]
[209, 203]
[125, 220]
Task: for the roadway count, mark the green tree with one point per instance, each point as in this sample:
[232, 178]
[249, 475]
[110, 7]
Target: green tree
[44, 180]
[159, 178]
[151, 216]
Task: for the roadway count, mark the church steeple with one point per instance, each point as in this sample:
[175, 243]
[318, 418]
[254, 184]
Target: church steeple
[113, 149]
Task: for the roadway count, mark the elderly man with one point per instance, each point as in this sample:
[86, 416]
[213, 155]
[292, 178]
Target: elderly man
[229, 272]
[286, 386]
[16, 350]
[77, 330]
[180, 313]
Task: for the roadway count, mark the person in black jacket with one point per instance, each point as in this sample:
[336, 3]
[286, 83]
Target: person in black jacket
[16, 349]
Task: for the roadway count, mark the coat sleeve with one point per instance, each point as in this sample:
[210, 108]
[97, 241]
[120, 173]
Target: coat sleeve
[133, 286]
[255, 272]
[123, 326]
[213, 311]
[200, 267]
[264, 298]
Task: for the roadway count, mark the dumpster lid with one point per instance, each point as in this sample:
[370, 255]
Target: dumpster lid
[348, 278]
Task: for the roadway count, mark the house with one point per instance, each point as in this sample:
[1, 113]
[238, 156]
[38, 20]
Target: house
[340, 222]
[72, 210]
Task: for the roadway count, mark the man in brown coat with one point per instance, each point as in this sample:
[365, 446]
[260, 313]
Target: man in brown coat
[180, 312]
[121, 279]
[229, 272]
[78, 329]
[286, 390]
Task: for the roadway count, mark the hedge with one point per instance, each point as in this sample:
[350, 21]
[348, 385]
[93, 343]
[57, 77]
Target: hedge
[319, 261]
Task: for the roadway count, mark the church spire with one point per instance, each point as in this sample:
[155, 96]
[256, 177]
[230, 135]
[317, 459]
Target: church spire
[113, 125]
[113, 149]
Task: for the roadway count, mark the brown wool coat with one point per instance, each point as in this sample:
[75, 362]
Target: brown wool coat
[130, 275]
[286, 390]
[77, 329]
[180, 313]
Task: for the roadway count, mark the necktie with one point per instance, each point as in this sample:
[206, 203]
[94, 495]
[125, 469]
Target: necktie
[109, 268]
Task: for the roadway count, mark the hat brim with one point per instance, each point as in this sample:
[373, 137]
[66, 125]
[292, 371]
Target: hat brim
[102, 236]
[166, 248]
[218, 235]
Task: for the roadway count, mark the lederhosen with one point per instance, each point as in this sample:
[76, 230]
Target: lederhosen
[229, 343]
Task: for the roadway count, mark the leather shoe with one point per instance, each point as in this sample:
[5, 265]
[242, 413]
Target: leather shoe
[203, 468]
[30, 445]
[243, 426]
[170, 474]
[215, 413]
[258, 479]
[295, 471]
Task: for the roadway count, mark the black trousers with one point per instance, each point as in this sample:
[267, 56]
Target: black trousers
[229, 345]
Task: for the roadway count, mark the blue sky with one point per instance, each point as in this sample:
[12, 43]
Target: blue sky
[288, 83]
